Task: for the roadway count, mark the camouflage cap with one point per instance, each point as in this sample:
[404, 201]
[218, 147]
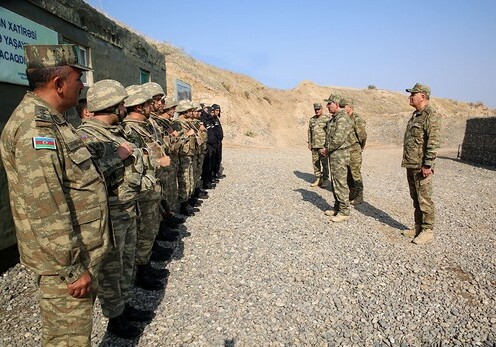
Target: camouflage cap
[420, 88]
[197, 107]
[333, 98]
[317, 106]
[343, 102]
[45, 56]
[184, 105]
[104, 94]
[138, 94]
[169, 103]
[154, 88]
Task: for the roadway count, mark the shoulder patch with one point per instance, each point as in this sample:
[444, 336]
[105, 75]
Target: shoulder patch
[42, 114]
[44, 143]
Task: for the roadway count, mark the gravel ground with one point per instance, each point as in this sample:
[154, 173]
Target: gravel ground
[261, 265]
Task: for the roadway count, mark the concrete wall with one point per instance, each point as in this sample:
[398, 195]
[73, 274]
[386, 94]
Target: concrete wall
[115, 53]
[479, 143]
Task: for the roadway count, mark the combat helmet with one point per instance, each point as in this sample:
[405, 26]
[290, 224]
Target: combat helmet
[138, 94]
[184, 105]
[169, 103]
[154, 88]
[104, 94]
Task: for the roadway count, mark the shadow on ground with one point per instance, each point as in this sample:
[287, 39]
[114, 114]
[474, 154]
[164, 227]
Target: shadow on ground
[305, 176]
[482, 166]
[314, 198]
[370, 211]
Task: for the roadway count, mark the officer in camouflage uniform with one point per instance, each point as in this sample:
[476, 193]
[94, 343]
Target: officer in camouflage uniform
[186, 153]
[57, 195]
[338, 141]
[316, 140]
[358, 140]
[420, 145]
[123, 167]
[143, 135]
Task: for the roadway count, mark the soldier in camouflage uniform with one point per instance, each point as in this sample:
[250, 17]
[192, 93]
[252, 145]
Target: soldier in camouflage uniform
[338, 141]
[420, 145]
[316, 140]
[186, 154]
[123, 167]
[201, 139]
[168, 175]
[143, 135]
[57, 196]
[358, 139]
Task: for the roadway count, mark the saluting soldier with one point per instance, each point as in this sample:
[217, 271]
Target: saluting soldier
[123, 167]
[58, 197]
[139, 131]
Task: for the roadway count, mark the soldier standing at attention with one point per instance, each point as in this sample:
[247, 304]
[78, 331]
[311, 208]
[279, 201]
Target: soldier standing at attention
[141, 133]
[58, 197]
[316, 140]
[337, 146]
[358, 139]
[420, 144]
[122, 165]
[218, 170]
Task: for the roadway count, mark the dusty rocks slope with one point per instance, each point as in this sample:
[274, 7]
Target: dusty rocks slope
[255, 115]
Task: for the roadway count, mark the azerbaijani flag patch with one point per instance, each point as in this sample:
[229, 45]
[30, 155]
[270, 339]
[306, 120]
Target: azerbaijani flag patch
[44, 143]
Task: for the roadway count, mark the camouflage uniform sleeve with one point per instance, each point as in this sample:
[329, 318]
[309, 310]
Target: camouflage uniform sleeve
[41, 187]
[432, 130]
[343, 129]
[310, 131]
[360, 130]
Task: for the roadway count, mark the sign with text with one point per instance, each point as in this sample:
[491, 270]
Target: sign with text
[183, 91]
[15, 32]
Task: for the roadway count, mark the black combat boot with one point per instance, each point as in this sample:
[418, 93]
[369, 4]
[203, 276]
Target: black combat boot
[165, 234]
[134, 314]
[121, 327]
[147, 280]
[160, 253]
[186, 210]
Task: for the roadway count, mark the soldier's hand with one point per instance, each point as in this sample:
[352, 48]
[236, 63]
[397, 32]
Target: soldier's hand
[125, 150]
[202, 127]
[309, 146]
[426, 171]
[81, 287]
[323, 151]
[164, 161]
[190, 132]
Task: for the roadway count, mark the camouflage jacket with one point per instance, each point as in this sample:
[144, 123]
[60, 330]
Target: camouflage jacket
[170, 142]
[317, 131]
[189, 143]
[421, 139]
[143, 135]
[339, 132]
[123, 177]
[359, 134]
[58, 196]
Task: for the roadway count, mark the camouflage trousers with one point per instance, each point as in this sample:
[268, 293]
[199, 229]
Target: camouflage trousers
[198, 169]
[66, 321]
[320, 164]
[116, 271]
[148, 225]
[185, 178]
[421, 189]
[168, 180]
[339, 161]
[355, 182]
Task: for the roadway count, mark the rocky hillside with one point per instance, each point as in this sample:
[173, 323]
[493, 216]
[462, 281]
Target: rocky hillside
[255, 115]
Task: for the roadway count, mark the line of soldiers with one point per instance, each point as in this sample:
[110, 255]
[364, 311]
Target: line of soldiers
[90, 204]
[336, 144]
